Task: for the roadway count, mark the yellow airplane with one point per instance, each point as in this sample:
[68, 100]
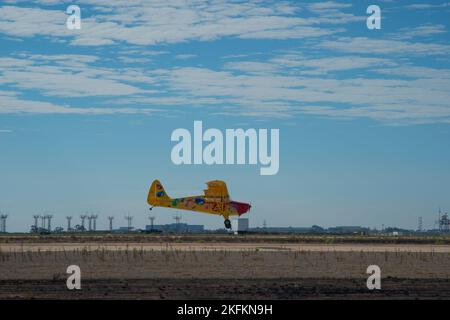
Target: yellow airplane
[215, 201]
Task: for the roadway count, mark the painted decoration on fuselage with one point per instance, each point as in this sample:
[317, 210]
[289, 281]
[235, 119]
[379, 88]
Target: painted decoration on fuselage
[200, 201]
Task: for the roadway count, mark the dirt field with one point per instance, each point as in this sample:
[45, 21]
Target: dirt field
[221, 246]
[244, 289]
[223, 271]
[206, 238]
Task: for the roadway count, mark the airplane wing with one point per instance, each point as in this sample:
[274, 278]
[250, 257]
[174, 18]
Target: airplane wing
[217, 190]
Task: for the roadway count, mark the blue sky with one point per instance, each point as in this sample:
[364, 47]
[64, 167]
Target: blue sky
[86, 115]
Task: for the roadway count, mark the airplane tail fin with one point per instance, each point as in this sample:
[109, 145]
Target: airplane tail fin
[157, 194]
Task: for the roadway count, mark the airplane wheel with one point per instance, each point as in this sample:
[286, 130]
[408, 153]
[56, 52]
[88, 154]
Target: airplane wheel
[227, 224]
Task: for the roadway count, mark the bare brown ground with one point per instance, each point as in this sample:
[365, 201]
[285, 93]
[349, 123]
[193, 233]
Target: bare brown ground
[134, 237]
[223, 271]
[223, 289]
[223, 246]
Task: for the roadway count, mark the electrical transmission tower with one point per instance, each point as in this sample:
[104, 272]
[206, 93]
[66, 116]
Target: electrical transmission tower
[49, 222]
[129, 220]
[177, 219]
[94, 222]
[69, 219]
[3, 218]
[83, 218]
[43, 219]
[444, 223]
[36, 219]
[89, 222]
[111, 218]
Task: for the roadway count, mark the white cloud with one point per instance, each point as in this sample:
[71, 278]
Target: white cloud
[273, 94]
[26, 22]
[158, 22]
[340, 77]
[416, 72]
[328, 5]
[330, 64]
[281, 86]
[10, 103]
[375, 46]
[422, 6]
[126, 59]
[427, 30]
[302, 65]
[70, 76]
[252, 66]
[331, 12]
[185, 56]
[267, 94]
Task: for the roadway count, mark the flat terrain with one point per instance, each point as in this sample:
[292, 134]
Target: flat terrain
[221, 246]
[102, 237]
[245, 289]
[220, 270]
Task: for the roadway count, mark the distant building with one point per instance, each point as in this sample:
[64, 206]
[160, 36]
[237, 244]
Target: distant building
[348, 229]
[284, 230]
[314, 229]
[177, 228]
[396, 231]
[240, 225]
[290, 229]
[123, 229]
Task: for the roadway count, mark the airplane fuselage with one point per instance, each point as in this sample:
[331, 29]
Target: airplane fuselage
[202, 204]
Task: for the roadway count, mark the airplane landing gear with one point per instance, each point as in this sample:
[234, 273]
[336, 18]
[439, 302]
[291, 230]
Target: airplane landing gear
[227, 223]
